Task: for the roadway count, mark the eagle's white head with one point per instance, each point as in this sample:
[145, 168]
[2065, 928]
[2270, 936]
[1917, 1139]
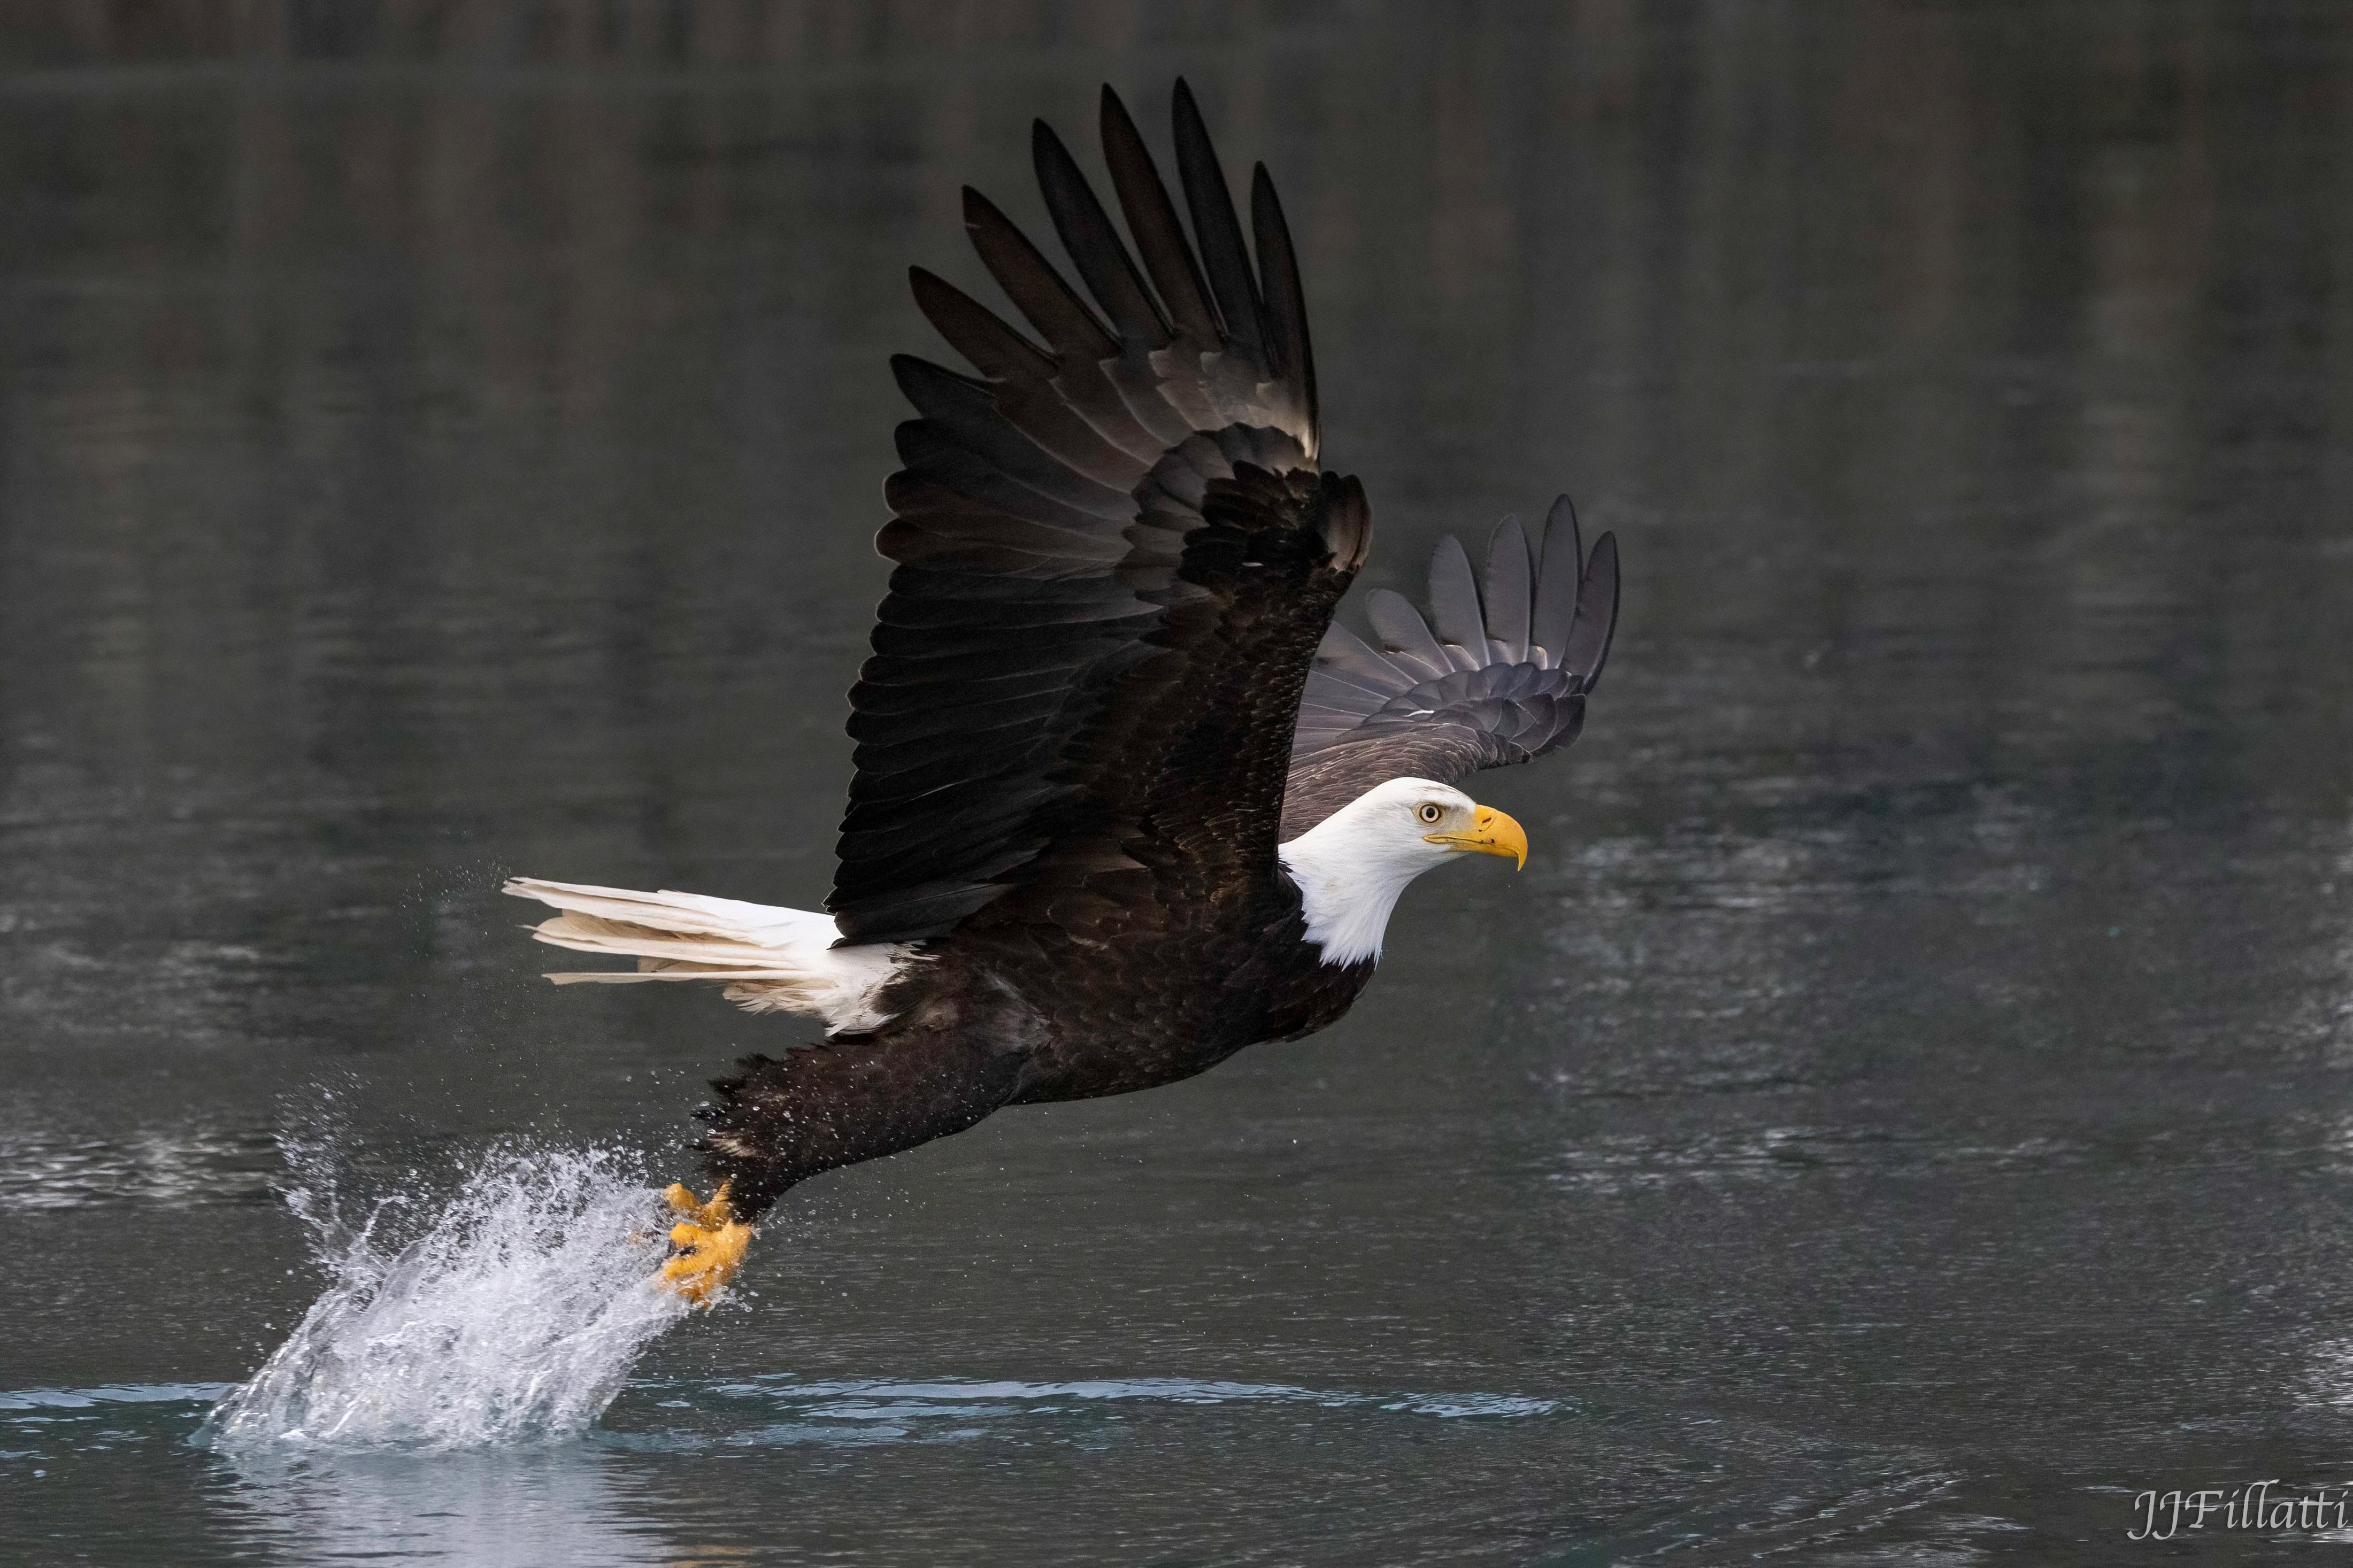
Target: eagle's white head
[1352, 867]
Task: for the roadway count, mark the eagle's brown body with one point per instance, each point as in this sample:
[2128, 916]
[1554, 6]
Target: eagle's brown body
[1000, 1020]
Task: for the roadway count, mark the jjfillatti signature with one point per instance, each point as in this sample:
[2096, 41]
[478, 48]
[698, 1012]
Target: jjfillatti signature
[2161, 1516]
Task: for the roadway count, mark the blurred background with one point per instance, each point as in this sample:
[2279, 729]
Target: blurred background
[1899, 1113]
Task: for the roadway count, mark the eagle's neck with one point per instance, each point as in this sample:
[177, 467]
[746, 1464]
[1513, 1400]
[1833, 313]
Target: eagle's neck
[1347, 886]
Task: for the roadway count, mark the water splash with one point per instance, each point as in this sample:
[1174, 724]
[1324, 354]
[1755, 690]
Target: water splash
[509, 1315]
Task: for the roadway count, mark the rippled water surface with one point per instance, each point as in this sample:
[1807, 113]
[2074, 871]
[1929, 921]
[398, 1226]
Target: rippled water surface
[1900, 1112]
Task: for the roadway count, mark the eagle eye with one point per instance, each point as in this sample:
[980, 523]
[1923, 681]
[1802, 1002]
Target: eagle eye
[1429, 811]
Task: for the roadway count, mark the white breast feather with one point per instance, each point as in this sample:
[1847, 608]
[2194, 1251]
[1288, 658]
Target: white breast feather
[1347, 888]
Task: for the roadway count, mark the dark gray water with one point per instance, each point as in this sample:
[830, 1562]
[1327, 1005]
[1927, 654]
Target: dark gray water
[1901, 1112]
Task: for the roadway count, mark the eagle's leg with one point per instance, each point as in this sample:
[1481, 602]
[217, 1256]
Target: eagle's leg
[784, 1120]
[706, 1243]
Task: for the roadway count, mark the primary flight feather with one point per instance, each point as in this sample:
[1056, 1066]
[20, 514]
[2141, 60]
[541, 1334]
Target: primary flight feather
[1126, 799]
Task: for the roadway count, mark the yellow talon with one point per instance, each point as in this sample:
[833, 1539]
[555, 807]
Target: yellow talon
[706, 1244]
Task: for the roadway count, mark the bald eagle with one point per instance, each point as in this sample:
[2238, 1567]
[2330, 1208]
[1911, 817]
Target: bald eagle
[1127, 799]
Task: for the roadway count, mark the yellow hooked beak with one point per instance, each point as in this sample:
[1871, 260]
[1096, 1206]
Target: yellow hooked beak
[1494, 834]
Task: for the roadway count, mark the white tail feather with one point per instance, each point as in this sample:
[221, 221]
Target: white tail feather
[774, 960]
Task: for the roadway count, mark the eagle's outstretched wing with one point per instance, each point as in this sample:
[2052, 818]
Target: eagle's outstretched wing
[1117, 557]
[1492, 677]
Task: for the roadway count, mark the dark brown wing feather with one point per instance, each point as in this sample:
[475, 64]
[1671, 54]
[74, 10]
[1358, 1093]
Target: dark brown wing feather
[1489, 679]
[1115, 554]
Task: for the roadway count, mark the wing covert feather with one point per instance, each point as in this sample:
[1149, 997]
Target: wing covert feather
[1502, 679]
